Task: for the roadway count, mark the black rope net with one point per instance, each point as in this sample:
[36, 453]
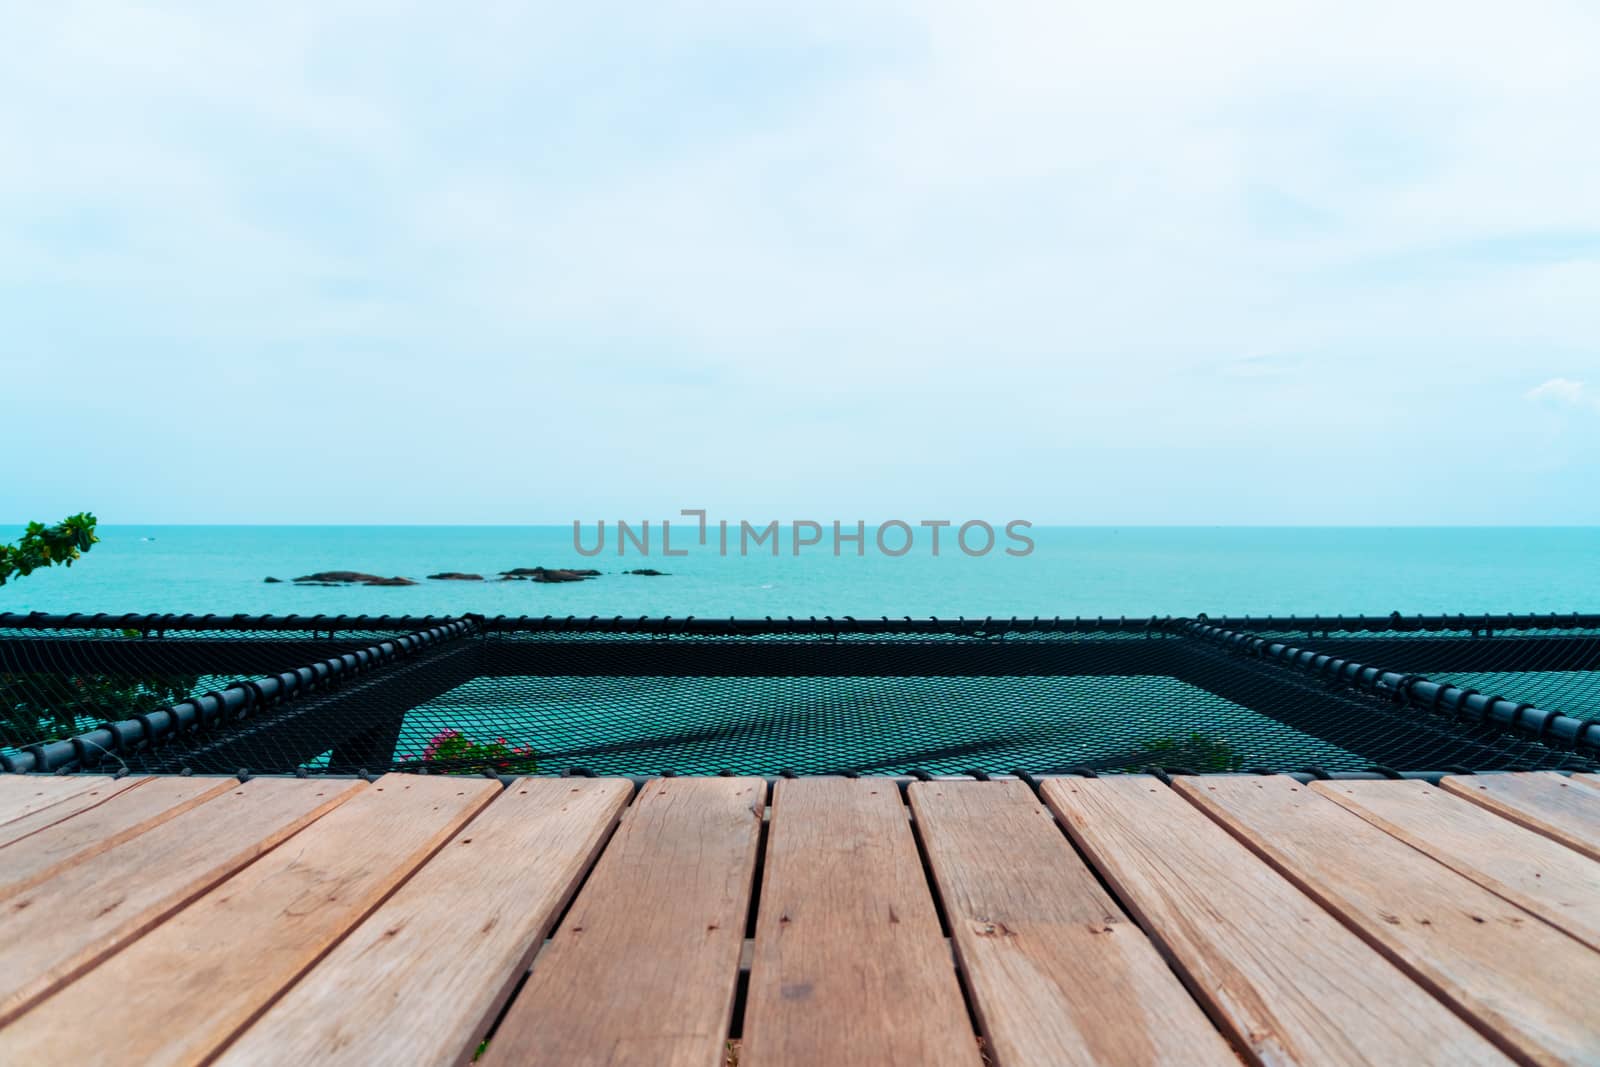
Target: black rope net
[56, 683]
[1552, 668]
[540, 696]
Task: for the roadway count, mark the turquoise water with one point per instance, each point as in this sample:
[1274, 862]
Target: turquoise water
[643, 725]
[1073, 571]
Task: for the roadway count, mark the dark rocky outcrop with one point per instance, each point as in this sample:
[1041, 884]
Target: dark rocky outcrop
[350, 578]
[454, 576]
[546, 574]
[340, 576]
[648, 572]
[273, 581]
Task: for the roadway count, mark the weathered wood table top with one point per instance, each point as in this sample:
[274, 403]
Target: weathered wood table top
[1115, 920]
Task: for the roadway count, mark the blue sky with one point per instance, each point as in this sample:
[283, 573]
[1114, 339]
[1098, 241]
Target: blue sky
[1079, 263]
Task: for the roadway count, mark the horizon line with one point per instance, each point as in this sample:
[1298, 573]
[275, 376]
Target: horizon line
[870, 525]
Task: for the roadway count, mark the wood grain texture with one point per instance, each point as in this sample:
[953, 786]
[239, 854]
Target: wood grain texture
[850, 965]
[1537, 874]
[86, 911]
[1291, 983]
[644, 967]
[1057, 973]
[176, 995]
[108, 823]
[1542, 801]
[1525, 983]
[24, 794]
[422, 978]
[27, 825]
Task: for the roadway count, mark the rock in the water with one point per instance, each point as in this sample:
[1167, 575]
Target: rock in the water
[547, 574]
[341, 576]
[351, 578]
[648, 572]
[274, 581]
[455, 576]
[559, 576]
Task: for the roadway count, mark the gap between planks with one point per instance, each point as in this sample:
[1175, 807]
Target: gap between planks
[850, 964]
[400, 987]
[89, 910]
[22, 795]
[1281, 974]
[1519, 981]
[184, 989]
[1029, 918]
[1543, 801]
[81, 834]
[31, 822]
[625, 982]
[1539, 875]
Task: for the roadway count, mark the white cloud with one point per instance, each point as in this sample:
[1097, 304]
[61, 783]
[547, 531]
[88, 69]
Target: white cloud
[1052, 217]
[1565, 392]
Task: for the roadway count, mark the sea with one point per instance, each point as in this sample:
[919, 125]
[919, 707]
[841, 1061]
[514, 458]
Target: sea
[1069, 571]
[634, 725]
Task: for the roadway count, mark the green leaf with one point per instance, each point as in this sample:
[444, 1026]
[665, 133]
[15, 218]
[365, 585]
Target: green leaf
[43, 546]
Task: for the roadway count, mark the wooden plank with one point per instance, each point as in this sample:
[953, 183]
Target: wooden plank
[1290, 982]
[24, 794]
[1525, 984]
[180, 992]
[644, 967]
[1555, 883]
[31, 823]
[850, 965]
[107, 824]
[86, 911]
[1542, 801]
[423, 977]
[1030, 921]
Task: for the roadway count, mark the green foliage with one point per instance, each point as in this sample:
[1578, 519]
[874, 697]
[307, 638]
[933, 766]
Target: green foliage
[453, 752]
[45, 707]
[42, 707]
[43, 546]
[1199, 753]
[37, 707]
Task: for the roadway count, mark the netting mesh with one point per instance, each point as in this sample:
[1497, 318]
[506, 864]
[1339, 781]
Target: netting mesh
[55, 684]
[545, 699]
[812, 725]
[1555, 668]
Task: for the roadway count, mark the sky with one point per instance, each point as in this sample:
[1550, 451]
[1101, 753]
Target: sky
[1222, 263]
